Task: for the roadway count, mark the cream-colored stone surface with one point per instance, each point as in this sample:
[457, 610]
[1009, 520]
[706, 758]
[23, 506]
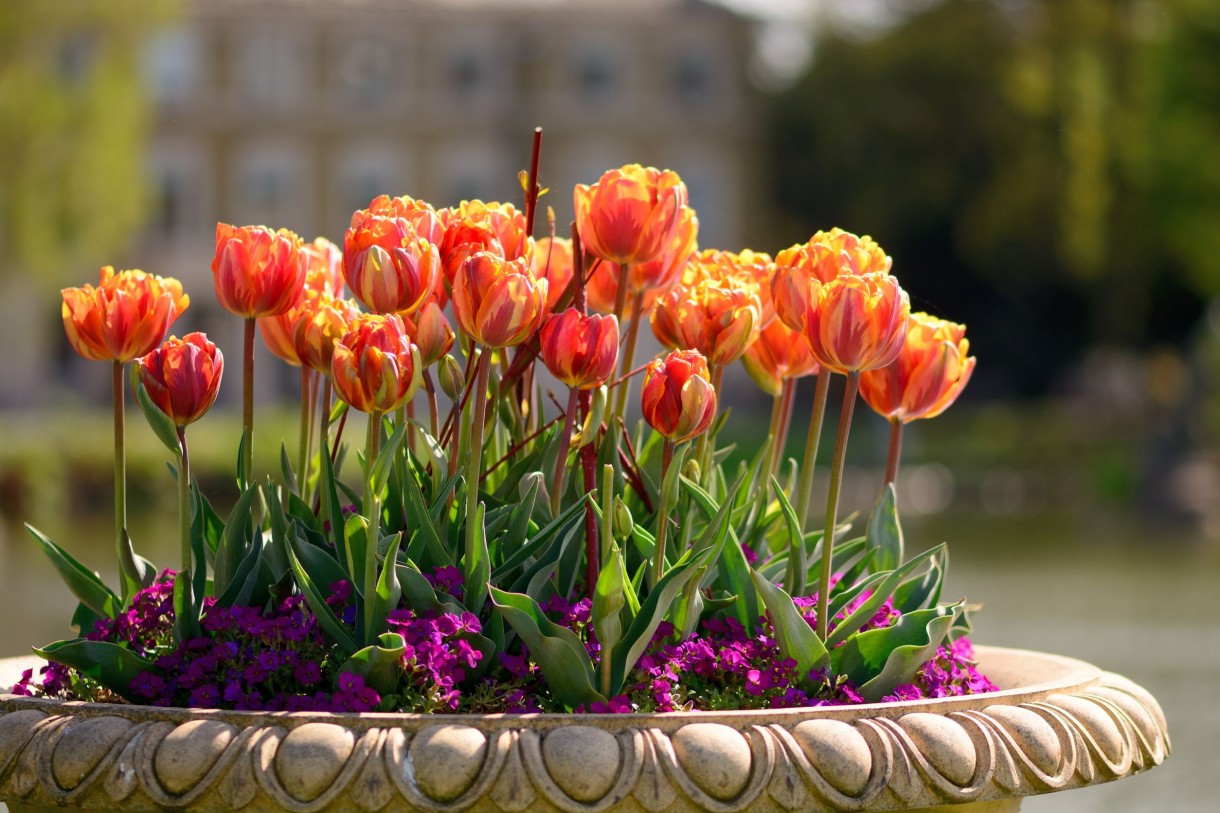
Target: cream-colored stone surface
[1058, 724]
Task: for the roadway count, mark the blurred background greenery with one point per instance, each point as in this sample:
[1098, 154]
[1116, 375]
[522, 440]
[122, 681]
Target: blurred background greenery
[1046, 171]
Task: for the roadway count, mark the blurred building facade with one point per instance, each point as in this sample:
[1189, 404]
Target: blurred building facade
[294, 113]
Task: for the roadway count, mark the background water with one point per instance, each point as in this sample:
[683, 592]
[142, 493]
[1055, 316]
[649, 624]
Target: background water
[1145, 608]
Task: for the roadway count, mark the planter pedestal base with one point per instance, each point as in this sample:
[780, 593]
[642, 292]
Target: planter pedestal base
[1057, 724]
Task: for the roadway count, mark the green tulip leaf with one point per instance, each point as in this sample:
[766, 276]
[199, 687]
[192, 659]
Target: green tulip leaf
[84, 583]
[559, 653]
[880, 660]
[111, 665]
[380, 664]
[795, 638]
[884, 533]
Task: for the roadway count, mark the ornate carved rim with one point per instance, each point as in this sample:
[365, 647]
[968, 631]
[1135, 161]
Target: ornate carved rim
[1060, 723]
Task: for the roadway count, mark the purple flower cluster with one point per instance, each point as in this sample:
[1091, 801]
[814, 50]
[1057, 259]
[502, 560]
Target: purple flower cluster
[277, 659]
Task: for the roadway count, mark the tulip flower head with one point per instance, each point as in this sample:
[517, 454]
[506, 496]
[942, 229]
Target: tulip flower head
[928, 375]
[277, 331]
[323, 266]
[499, 302]
[630, 215]
[856, 323]
[677, 398]
[825, 256]
[389, 266]
[375, 368]
[125, 316]
[319, 325]
[651, 278]
[779, 353]
[581, 351]
[475, 226]
[718, 317]
[422, 217]
[257, 271]
[182, 377]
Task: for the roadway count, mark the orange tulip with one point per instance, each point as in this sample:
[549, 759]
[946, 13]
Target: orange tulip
[630, 215]
[651, 278]
[375, 367]
[498, 301]
[126, 315]
[277, 331]
[779, 353]
[677, 398]
[929, 373]
[323, 266]
[553, 262]
[719, 318]
[825, 256]
[581, 351]
[422, 217]
[388, 266]
[856, 323]
[257, 271]
[431, 333]
[321, 323]
[476, 226]
[182, 377]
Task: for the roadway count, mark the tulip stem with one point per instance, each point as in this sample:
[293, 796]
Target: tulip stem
[777, 410]
[561, 459]
[891, 462]
[588, 466]
[832, 500]
[658, 553]
[474, 467]
[372, 511]
[307, 399]
[785, 423]
[795, 581]
[129, 575]
[247, 405]
[184, 499]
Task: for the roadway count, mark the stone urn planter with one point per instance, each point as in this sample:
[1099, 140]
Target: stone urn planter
[1058, 724]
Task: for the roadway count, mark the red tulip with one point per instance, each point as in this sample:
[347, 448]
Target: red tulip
[777, 354]
[498, 301]
[677, 398]
[630, 215]
[929, 373]
[719, 318]
[856, 323]
[182, 377]
[126, 315]
[581, 351]
[431, 332]
[375, 367]
[825, 256]
[257, 271]
[388, 265]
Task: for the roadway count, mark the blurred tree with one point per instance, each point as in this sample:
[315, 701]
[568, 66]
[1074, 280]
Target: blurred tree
[1045, 171]
[72, 120]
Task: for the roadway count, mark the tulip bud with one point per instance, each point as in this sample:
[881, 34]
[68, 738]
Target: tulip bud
[931, 370]
[257, 271]
[125, 316]
[624, 525]
[677, 398]
[581, 351]
[449, 373]
[182, 377]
